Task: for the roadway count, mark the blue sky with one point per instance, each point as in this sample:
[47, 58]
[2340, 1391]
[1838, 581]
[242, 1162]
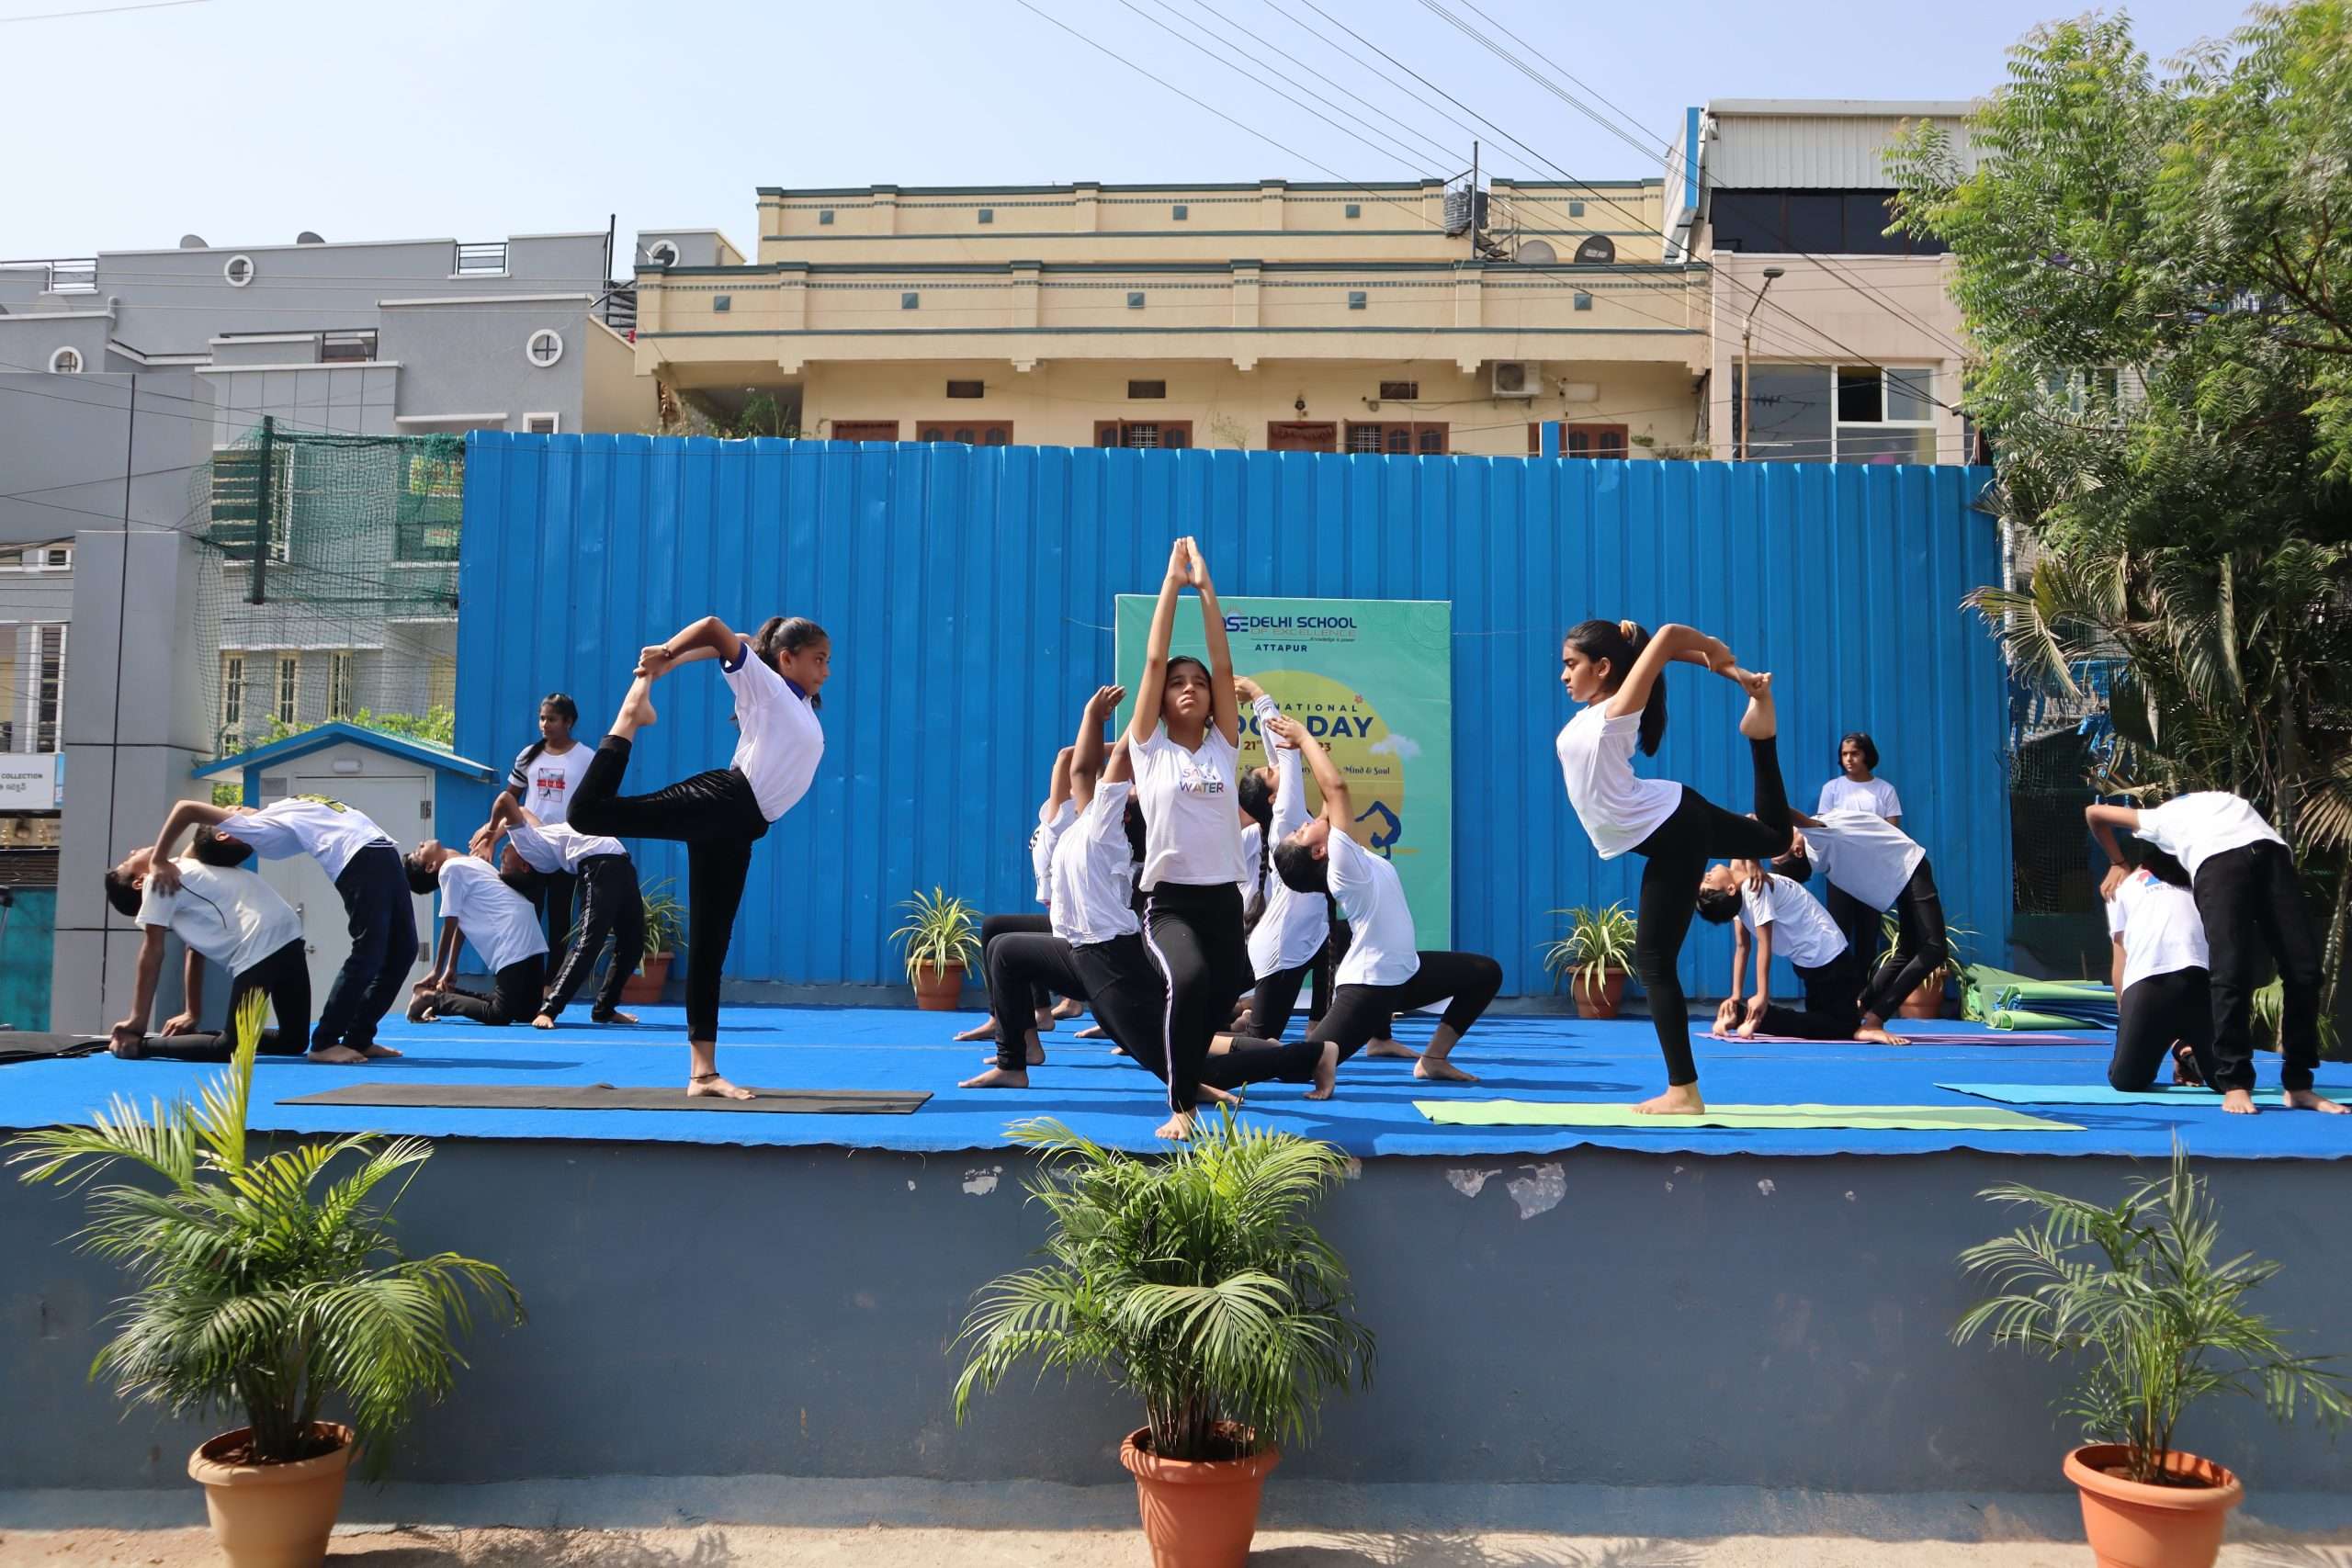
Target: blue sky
[248, 120]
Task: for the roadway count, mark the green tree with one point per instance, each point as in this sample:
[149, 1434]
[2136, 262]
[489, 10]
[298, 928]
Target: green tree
[2155, 269]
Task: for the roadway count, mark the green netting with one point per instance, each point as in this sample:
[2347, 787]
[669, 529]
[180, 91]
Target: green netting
[335, 593]
[2055, 863]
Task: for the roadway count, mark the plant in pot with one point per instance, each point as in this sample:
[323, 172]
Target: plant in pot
[2137, 1294]
[262, 1287]
[1593, 958]
[943, 939]
[665, 930]
[1196, 1283]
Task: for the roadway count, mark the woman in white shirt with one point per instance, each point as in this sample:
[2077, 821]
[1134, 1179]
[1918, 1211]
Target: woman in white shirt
[2164, 996]
[1183, 744]
[1290, 932]
[776, 675]
[1054, 818]
[545, 775]
[1618, 672]
[2243, 877]
[1776, 915]
[1857, 785]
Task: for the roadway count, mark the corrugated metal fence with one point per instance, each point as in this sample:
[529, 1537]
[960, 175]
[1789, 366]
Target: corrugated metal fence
[968, 593]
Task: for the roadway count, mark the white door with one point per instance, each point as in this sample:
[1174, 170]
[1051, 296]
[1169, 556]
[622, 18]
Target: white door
[396, 795]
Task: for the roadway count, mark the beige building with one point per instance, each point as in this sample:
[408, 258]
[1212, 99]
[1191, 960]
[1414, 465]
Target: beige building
[1275, 315]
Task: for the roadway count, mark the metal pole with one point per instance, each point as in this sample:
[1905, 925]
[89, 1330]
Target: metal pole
[260, 594]
[1746, 334]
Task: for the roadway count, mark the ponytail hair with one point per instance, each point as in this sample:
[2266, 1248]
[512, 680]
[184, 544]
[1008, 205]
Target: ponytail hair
[781, 636]
[562, 702]
[1258, 804]
[1621, 643]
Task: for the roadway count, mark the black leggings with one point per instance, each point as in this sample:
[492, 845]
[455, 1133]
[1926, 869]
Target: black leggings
[1363, 1013]
[2252, 906]
[716, 816]
[285, 976]
[995, 926]
[1920, 946]
[1018, 965]
[1831, 1011]
[2155, 1014]
[383, 919]
[612, 909]
[556, 894]
[1276, 997]
[1123, 984]
[1863, 927]
[514, 1000]
[1677, 854]
[1194, 933]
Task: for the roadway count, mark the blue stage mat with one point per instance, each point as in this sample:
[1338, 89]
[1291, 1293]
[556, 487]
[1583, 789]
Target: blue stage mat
[1108, 1099]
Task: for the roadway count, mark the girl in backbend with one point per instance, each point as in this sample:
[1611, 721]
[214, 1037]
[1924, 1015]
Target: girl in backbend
[1618, 672]
[776, 674]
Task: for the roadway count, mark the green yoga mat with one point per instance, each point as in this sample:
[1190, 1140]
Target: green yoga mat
[2100, 1094]
[608, 1097]
[1593, 1113]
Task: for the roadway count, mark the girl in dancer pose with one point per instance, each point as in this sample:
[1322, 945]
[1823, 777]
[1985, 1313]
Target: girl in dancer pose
[2161, 975]
[2243, 877]
[776, 675]
[1618, 671]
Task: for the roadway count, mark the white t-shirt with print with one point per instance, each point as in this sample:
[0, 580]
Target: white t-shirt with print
[1863, 853]
[1803, 932]
[498, 921]
[327, 830]
[546, 784]
[2159, 926]
[779, 741]
[2195, 828]
[559, 846]
[1191, 827]
[1296, 924]
[224, 912]
[1618, 808]
[1093, 879]
[1371, 900]
[1842, 793]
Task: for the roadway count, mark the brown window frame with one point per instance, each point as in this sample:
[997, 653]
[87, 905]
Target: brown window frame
[937, 430]
[1416, 432]
[1147, 395]
[1117, 429]
[863, 430]
[966, 390]
[1400, 391]
[1570, 432]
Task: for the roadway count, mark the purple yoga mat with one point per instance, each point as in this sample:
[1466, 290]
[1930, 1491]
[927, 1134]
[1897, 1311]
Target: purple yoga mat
[1997, 1037]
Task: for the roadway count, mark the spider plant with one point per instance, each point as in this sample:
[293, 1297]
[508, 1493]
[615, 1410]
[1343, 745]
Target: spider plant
[941, 930]
[260, 1285]
[1600, 943]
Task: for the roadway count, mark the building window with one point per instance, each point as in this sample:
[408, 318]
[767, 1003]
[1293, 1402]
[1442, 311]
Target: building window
[1576, 209]
[1357, 299]
[865, 430]
[544, 348]
[1598, 441]
[66, 362]
[290, 688]
[236, 501]
[967, 388]
[541, 424]
[969, 432]
[37, 558]
[824, 217]
[1597, 250]
[232, 697]
[1838, 222]
[238, 270]
[722, 303]
[441, 682]
[987, 214]
[1581, 302]
[1835, 413]
[347, 348]
[1399, 439]
[433, 510]
[339, 684]
[49, 685]
[1354, 209]
[1179, 212]
[1137, 389]
[1399, 392]
[909, 301]
[1134, 298]
[1171, 434]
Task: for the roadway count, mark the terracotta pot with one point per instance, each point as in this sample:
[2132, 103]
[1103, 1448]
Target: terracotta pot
[937, 990]
[272, 1516]
[1927, 1002]
[2132, 1525]
[1599, 1001]
[644, 986]
[1197, 1513]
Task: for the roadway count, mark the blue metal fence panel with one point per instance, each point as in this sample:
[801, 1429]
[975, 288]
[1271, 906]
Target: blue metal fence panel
[968, 593]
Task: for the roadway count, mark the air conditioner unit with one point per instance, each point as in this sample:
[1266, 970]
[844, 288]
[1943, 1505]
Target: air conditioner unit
[1517, 378]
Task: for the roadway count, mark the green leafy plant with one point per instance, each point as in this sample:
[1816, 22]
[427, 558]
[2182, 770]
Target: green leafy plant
[1193, 1282]
[1600, 943]
[941, 930]
[665, 920]
[2137, 1292]
[2269, 1006]
[260, 1285]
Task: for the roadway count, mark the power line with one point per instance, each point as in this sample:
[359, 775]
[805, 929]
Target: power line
[101, 11]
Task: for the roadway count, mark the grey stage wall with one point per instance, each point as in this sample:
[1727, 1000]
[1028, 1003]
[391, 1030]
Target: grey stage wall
[1667, 1321]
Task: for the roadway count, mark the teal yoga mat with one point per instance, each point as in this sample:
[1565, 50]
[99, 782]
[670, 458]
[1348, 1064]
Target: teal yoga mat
[1593, 1113]
[2100, 1094]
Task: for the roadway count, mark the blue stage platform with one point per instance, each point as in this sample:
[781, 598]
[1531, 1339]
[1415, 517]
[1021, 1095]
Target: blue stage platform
[1104, 1097]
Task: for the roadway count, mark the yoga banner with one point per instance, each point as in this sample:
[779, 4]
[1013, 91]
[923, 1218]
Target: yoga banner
[1372, 680]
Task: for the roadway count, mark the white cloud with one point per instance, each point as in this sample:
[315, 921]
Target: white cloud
[1403, 746]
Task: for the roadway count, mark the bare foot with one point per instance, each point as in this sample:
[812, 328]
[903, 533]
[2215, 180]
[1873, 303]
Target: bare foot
[2239, 1102]
[2311, 1099]
[1045, 1016]
[336, 1056]
[1680, 1100]
[997, 1077]
[1395, 1051]
[636, 708]
[1759, 722]
[711, 1086]
[543, 1021]
[1176, 1129]
[979, 1031]
[420, 1008]
[1438, 1069]
[1092, 1031]
[1067, 1008]
[615, 1016]
[377, 1053]
[1869, 1036]
[1327, 1071]
[1204, 1094]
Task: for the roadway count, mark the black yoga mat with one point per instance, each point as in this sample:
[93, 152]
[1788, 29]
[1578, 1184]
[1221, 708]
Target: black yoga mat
[25, 1046]
[606, 1097]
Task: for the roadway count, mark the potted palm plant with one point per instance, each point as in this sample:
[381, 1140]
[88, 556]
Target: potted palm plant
[665, 926]
[943, 938]
[2137, 1294]
[265, 1289]
[1594, 958]
[1195, 1283]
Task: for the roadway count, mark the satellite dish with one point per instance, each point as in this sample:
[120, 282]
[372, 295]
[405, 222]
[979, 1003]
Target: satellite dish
[1598, 250]
[309, 237]
[193, 242]
[1536, 253]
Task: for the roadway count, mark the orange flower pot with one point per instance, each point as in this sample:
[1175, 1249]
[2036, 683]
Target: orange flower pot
[2133, 1524]
[644, 988]
[1197, 1513]
[938, 990]
[272, 1516]
[1602, 1001]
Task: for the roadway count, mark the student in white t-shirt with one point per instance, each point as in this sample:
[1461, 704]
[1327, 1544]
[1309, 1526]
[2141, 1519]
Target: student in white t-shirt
[2243, 877]
[545, 775]
[1858, 785]
[612, 907]
[776, 674]
[221, 912]
[1383, 973]
[1290, 934]
[2164, 995]
[1054, 818]
[1780, 919]
[1874, 866]
[1618, 672]
[364, 865]
[485, 906]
